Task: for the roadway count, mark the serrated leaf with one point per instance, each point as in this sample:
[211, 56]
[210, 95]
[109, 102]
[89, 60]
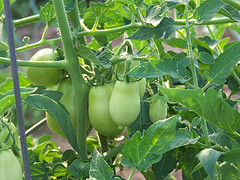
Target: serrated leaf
[99, 169]
[164, 29]
[7, 100]
[156, 68]
[207, 10]
[176, 42]
[205, 58]
[142, 152]
[57, 111]
[224, 64]
[47, 13]
[79, 169]
[208, 106]
[208, 158]
[98, 8]
[232, 156]
[86, 53]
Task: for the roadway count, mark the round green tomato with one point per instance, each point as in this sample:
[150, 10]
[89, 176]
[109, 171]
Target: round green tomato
[124, 106]
[68, 100]
[44, 76]
[98, 108]
[142, 87]
[10, 168]
[158, 110]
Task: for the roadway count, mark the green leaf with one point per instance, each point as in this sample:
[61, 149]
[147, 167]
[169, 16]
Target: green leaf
[142, 152]
[39, 171]
[232, 156]
[208, 158]
[229, 171]
[86, 53]
[167, 164]
[69, 5]
[7, 100]
[99, 169]
[156, 68]
[230, 12]
[100, 8]
[224, 64]
[47, 13]
[207, 10]
[59, 170]
[153, 15]
[79, 169]
[165, 28]
[176, 42]
[57, 111]
[208, 106]
[205, 58]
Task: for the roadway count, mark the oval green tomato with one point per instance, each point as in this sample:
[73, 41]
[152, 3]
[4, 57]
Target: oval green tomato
[98, 108]
[44, 76]
[68, 100]
[124, 103]
[142, 87]
[158, 110]
[10, 168]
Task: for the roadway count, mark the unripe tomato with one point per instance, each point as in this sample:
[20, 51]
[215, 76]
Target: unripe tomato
[124, 103]
[68, 100]
[98, 108]
[158, 110]
[44, 76]
[10, 168]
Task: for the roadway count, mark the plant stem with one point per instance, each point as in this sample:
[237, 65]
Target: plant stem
[205, 132]
[235, 76]
[103, 142]
[73, 67]
[234, 3]
[27, 20]
[213, 21]
[44, 33]
[48, 64]
[132, 173]
[36, 126]
[113, 152]
[75, 20]
[189, 41]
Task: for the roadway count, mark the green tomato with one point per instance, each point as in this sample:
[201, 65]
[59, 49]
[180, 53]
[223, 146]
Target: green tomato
[142, 87]
[68, 100]
[158, 110]
[10, 168]
[99, 97]
[44, 76]
[124, 103]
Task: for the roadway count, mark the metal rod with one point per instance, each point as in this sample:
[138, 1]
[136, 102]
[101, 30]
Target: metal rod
[17, 89]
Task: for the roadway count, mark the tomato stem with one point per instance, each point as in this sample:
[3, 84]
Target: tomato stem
[132, 173]
[205, 132]
[73, 67]
[113, 152]
[103, 142]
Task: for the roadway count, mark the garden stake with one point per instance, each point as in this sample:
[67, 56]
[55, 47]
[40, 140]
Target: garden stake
[17, 89]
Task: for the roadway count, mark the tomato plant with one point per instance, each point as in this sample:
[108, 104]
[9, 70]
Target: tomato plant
[148, 85]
